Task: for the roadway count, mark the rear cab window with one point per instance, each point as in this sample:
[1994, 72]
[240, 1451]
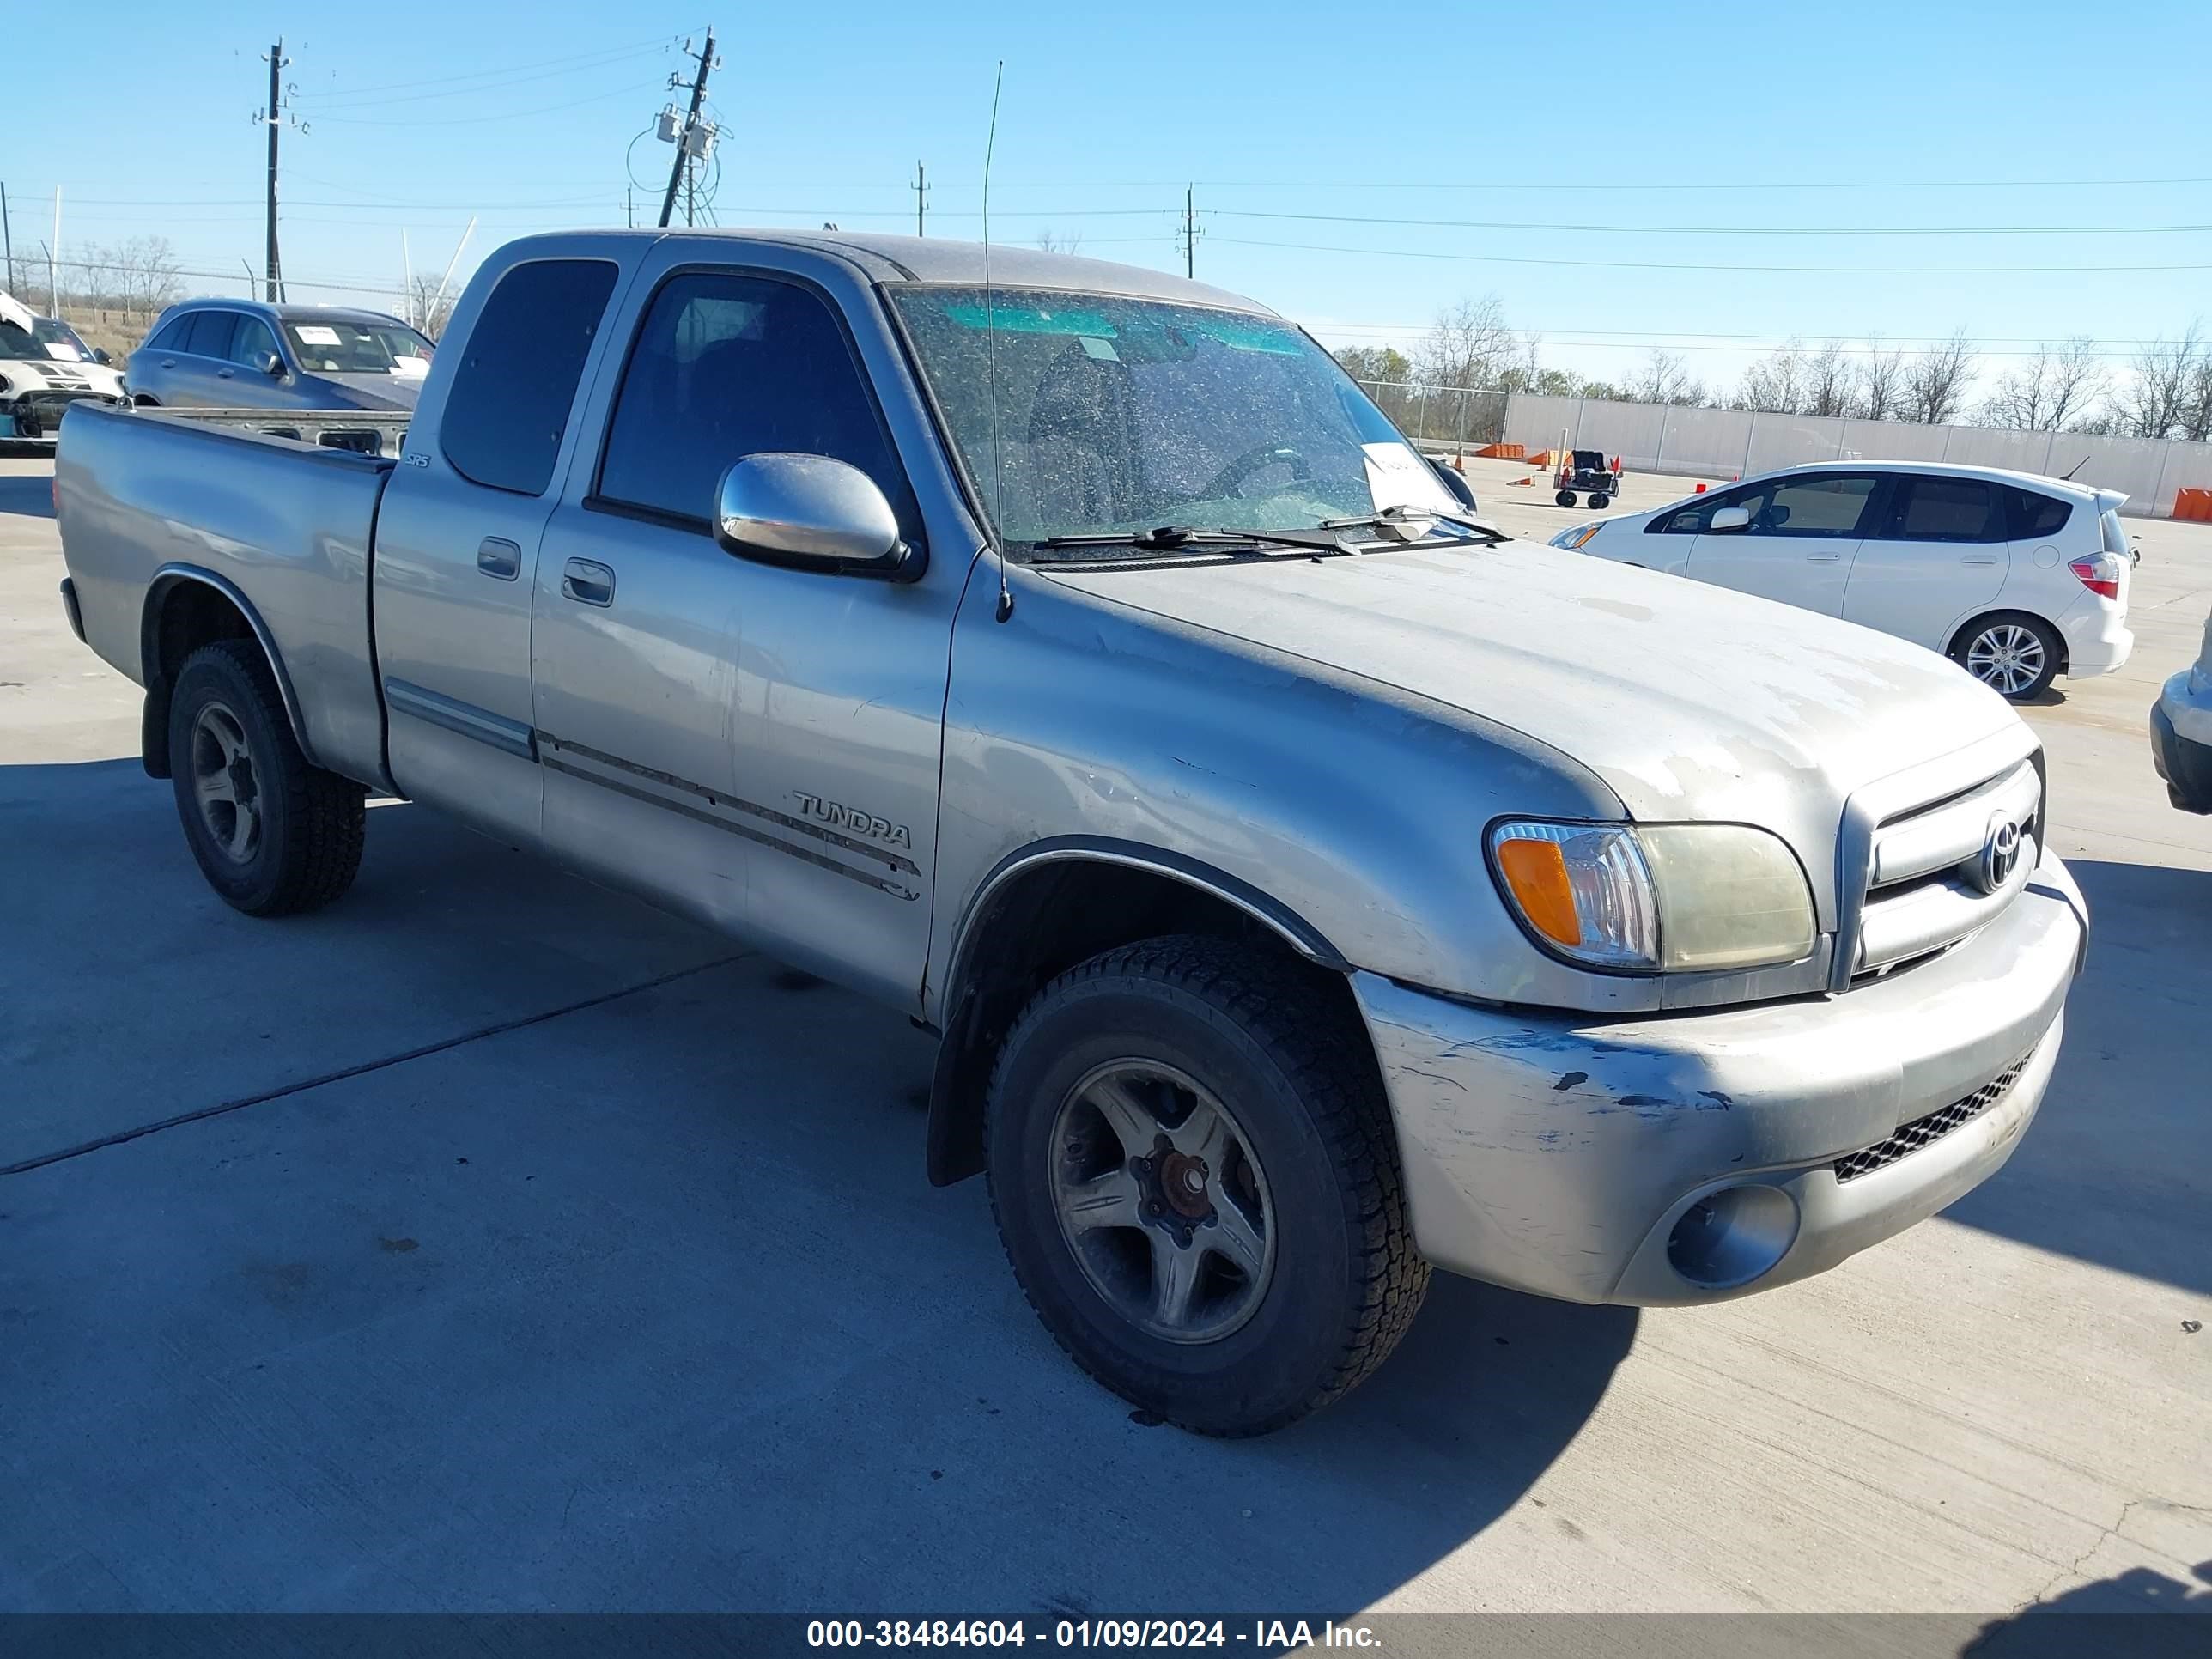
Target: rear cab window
[514, 393]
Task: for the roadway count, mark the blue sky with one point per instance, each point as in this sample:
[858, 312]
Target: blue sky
[1748, 136]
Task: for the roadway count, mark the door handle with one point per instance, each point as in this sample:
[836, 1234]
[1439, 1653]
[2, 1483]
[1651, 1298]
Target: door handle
[1977, 558]
[587, 581]
[1822, 558]
[168, 362]
[497, 556]
[222, 373]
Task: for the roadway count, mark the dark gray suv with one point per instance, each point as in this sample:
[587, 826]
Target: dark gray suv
[242, 353]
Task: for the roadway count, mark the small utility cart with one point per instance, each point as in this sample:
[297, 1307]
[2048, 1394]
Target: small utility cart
[1588, 472]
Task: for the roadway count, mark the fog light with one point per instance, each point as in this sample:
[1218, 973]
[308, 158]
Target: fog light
[1730, 1237]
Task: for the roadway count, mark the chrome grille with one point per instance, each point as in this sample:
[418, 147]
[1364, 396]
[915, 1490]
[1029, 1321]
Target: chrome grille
[1921, 888]
[1925, 1131]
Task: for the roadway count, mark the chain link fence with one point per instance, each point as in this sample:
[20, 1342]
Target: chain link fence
[1460, 417]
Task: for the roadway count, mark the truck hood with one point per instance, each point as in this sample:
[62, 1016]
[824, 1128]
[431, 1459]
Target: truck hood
[1690, 702]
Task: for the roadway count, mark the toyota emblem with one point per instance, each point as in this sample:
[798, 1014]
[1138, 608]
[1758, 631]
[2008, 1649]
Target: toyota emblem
[2000, 853]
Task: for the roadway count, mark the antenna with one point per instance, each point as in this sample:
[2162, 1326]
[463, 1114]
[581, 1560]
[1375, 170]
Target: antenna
[991, 361]
[2066, 476]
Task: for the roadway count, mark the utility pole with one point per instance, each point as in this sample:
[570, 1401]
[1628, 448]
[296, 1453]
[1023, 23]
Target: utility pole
[8, 235]
[272, 272]
[630, 209]
[680, 172]
[920, 198]
[1190, 232]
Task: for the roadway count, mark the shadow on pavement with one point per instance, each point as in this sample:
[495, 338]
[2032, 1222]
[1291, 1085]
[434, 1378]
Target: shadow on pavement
[2115, 1616]
[2117, 1168]
[644, 1306]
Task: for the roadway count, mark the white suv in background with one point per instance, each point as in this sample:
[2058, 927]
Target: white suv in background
[2016, 578]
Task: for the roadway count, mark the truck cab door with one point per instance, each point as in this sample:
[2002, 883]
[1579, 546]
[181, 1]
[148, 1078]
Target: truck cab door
[752, 744]
[457, 532]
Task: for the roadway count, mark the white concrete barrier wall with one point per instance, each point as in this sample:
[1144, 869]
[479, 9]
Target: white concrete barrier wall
[1730, 443]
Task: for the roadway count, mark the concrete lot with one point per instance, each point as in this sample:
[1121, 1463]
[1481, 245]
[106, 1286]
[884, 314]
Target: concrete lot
[489, 1242]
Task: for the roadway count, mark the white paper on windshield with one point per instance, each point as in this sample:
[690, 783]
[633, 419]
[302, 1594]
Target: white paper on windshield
[317, 334]
[410, 368]
[1098, 350]
[1398, 477]
[66, 352]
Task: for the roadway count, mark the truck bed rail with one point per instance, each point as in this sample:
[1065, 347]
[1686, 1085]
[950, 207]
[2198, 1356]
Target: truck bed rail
[365, 431]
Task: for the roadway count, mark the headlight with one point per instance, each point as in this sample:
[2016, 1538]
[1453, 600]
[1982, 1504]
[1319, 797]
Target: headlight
[1669, 898]
[1571, 539]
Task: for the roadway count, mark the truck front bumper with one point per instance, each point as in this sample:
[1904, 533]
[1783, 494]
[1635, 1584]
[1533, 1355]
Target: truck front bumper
[1689, 1158]
[2181, 740]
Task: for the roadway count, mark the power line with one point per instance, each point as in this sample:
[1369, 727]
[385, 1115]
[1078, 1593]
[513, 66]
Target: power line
[1370, 252]
[1718, 230]
[636, 48]
[490, 85]
[505, 115]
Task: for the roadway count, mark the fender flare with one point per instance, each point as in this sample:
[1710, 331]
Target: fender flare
[954, 1138]
[154, 724]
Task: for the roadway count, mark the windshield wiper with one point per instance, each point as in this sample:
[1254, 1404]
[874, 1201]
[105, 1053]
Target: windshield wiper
[1171, 537]
[1395, 518]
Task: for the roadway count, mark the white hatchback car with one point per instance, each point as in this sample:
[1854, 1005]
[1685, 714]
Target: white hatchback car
[2016, 578]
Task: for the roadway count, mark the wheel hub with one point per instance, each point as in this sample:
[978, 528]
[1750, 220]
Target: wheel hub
[1181, 1180]
[1161, 1201]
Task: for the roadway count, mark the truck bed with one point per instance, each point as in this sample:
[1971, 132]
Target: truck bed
[152, 503]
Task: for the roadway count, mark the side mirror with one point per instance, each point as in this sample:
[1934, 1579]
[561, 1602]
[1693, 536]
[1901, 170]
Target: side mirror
[812, 511]
[1455, 484]
[272, 365]
[99, 355]
[1728, 519]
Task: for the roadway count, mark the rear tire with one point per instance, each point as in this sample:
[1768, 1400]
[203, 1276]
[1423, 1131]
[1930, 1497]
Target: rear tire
[273, 835]
[1251, 1259]
[1599, 501]
[2014, 654]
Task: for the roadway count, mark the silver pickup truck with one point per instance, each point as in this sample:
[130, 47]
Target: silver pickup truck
[1308, 885]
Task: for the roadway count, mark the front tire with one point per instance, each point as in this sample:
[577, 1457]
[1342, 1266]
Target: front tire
[1564, 498]
[1599, 501]
[2014, 654]
[1193, 1168]
[273, 835]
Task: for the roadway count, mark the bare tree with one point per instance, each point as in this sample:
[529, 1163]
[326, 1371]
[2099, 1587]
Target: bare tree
[138, 276]
[1881, 383]
[426, 308]
[2055, 386]
[1469, 347]
[1829, 378]
[2196, 407]
[1058, 241]
[1776, 385]
[2155, 401]
[1666, 379]
[1936, 382]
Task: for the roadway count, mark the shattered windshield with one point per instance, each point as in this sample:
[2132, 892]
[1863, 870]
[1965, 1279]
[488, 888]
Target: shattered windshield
[1116, 415]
